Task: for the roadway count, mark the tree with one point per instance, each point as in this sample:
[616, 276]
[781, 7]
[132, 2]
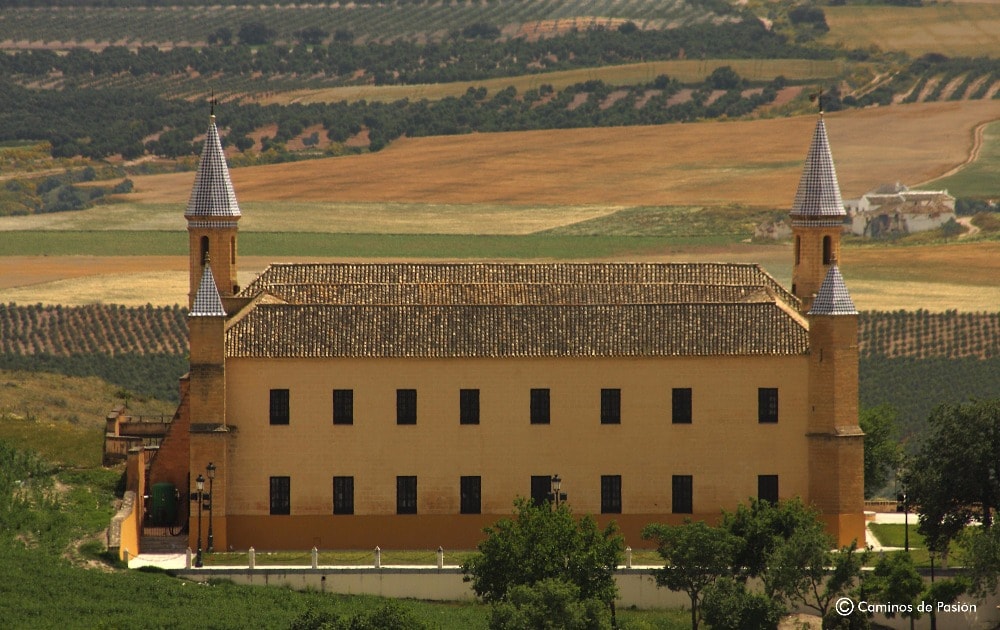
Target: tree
[728, 605]
[550, 603]
[895, 580]
[695, 554]
[787, 547]
[883, 453]
[543, 542]
[810, 572]
[955, 476]
[255, 33]
[982, 559]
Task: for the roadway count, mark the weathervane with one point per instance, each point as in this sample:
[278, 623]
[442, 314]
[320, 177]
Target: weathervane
[211, 103]
[817, 97]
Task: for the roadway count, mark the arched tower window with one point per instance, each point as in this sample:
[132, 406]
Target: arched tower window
[827, 250]
[232, 250]
[798, 249]
[204, 249]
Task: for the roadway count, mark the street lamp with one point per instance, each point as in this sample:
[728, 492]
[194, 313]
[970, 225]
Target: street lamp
[556, 487]
[211, 499]
[199, 496]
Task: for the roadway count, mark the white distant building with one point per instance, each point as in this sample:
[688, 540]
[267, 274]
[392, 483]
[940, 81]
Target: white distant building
[895, 209]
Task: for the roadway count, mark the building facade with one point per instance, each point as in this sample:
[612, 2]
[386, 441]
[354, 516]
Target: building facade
[407, 405]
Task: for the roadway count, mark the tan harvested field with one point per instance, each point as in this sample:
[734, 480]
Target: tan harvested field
[750, 162]
[518, 183]
[684, 70]
[935, 278]
[956, 29]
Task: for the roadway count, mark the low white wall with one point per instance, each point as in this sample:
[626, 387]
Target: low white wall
[636, 588]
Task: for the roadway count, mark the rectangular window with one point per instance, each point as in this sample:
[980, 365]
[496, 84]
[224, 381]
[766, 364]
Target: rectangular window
[767, 405]
[406, 406]
[468, 406]
[682, 495]
[343, 495]
[611, 406]
[406, 495]
[472, 498]
[611, 494]
[281, 495]
[539, 406]
[767, 488]
[541, 489]
[681, 405]
[343, 406]
[279, 406]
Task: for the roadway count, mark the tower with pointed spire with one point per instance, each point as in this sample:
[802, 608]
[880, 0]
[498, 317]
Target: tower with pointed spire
[836, 442]
[817, 219]
[212, 216]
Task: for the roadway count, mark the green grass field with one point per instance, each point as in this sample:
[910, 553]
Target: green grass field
[394, 246]
[979, 178]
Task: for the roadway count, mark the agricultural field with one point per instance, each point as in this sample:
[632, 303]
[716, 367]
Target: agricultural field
[684, 70]
[695, 194]
[187, 25]
[955, 29]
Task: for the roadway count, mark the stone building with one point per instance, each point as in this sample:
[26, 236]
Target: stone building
[894, 209]
[349, 405]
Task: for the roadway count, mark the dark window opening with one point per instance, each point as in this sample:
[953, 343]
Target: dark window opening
[767, 488]
[406, 406]
[343, 406]
[406, 495]
[767, 405]
[279, 406]
[541, 489]
[611, 494]
[682, 496]
[539, 406]
[343, 495]
[281, 495]
[827, 250]
[468, 406]
[611, 406]
[681, 405]
[471, 495]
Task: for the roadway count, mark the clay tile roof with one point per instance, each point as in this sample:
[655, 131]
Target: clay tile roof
[207, 302]
[833, 297]
[818, 195]
[517, 310]
[212, 194]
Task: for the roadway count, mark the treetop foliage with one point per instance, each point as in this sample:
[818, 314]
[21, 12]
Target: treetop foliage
[954, 479]
[785, 546]
[542, 542]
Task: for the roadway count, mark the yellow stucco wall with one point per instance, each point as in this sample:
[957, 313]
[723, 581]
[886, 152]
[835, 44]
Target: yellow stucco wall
[724, 449]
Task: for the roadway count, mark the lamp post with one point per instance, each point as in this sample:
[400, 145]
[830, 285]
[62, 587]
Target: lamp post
[200, 484]
[211, 500]
[557, 495]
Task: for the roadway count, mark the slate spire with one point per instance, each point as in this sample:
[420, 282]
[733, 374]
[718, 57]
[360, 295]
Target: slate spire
[833, 297]
[212, 195]
[207, 302]
[818, 195]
